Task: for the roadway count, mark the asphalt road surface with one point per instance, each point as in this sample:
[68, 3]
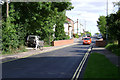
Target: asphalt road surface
[60, 64]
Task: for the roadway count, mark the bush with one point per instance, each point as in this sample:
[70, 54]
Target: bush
[67, 37]
[11, 50]
[76, 36]
[113, 48]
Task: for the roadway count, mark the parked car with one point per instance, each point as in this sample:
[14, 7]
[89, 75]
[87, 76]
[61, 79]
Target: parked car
[31, 40]
[86, 40]
[99, 36]
[84, 36]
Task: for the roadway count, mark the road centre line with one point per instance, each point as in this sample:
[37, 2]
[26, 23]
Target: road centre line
[78, 70]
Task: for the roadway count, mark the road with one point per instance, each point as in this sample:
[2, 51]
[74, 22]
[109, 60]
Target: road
[60, 63]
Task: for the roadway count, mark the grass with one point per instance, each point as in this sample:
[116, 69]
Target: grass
[99, 66]
[47, 46]
[14, 51]
[113, 48]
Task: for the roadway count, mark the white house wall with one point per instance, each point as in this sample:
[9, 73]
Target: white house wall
[66, 28]
[70, 32]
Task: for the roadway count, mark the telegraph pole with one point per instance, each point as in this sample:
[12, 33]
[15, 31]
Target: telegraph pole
[7, 11]
[107, 18]
[77, 26]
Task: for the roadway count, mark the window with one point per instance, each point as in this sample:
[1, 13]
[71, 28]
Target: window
[86, 38]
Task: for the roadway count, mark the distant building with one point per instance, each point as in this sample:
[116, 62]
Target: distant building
[78, 28]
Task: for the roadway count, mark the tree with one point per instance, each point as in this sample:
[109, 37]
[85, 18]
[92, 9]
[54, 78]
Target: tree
[117, 4]
[36, 18]
[88, 33]
[61, 19]
[102, 25]
[97, 33]
[59, 29]
[114, 26]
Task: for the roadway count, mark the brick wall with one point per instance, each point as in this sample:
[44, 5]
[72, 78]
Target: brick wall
[62, 42]
[100, 43]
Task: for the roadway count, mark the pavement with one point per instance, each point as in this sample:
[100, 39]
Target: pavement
[112, 57]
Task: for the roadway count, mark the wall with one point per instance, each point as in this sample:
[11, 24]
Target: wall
[66, 28]
[100, 43]
[62, 42]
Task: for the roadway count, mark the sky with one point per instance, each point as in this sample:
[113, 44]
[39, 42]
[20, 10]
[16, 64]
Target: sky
[88, 12]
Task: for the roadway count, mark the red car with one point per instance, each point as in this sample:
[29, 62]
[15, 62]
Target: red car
[86, 40]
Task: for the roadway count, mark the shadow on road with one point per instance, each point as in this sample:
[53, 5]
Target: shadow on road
[41, 67]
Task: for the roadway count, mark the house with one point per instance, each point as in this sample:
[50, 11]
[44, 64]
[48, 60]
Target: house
[69, 27]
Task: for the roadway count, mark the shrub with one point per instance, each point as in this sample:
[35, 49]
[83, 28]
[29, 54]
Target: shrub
[67, 37]
[113, 48]
[76, 36]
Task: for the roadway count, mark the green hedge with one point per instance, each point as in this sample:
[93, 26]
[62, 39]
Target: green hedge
[113, 48]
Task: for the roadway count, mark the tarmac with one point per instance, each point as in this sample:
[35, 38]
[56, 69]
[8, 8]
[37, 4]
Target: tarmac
[30, 52]
[112, 57]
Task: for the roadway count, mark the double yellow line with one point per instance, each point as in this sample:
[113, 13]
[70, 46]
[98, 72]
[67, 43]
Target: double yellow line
[79, 69]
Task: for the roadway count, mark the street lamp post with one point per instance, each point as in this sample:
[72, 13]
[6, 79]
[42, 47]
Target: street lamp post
[107, 18]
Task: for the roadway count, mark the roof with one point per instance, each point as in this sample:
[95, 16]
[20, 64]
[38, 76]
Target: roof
[70, 19]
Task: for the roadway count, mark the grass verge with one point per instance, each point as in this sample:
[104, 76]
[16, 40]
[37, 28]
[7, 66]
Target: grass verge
[113, 48]
[47, 46]
[15, 51]
[99, 66]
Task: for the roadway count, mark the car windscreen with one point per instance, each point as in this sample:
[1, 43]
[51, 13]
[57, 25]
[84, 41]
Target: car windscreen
[86, 38]
[31, 37]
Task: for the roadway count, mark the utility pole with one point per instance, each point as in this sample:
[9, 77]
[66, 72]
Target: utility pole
[107, 18]
[77, 26]
[85, 25]
[7, 11]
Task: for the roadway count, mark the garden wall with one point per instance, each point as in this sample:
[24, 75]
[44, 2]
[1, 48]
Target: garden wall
[62, 42]
[100, 43]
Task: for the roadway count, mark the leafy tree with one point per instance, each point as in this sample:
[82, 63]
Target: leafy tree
[36, 18]
[59, 29]
[114, 26]
[102, 25]
[117, 4]
[88, 33]
[97, 33]
[82, 34]
[9, 32]
[61, 19]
